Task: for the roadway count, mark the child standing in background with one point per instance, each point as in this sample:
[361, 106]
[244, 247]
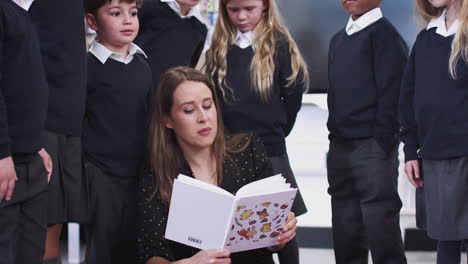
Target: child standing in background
[260, 76]
[64, 58]
[114, 130]
[366, 62]
[25, 166]
[172, 33]
[434, 116]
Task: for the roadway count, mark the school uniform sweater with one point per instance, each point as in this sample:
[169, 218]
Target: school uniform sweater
[115, 124]
[167, 39]
[365, 71]
[433, 105]
[23, 87]
[244, 111]
[60, 27]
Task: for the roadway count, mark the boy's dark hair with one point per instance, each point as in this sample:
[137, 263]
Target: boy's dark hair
[91, 6]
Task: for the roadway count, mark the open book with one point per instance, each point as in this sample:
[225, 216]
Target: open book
[205, 216]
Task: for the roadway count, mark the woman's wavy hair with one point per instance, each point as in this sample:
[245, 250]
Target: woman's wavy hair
[264, 44]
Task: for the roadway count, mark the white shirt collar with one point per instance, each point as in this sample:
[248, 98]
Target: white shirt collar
[25, 4]
[364, 21]
[244, 40]
[439, 23]
[103, 54]
[193, 12]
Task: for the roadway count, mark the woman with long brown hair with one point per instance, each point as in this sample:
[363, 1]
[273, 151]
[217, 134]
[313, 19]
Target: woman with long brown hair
[186, 137]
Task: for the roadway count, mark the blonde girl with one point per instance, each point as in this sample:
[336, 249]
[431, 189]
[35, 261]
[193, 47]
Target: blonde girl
[434, 119]
[260, 76]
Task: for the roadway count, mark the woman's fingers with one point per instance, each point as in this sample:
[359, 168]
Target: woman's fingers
[289, 230]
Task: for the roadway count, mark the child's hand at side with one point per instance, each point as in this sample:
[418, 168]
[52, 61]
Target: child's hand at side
[7, 178]
[47, 161]
[413, 173]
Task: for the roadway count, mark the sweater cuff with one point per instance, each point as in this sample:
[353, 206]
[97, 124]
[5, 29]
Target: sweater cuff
[411, 152]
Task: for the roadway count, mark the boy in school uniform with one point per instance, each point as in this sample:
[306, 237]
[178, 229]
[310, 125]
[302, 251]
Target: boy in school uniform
[366, 63]
[64, 59]
[172, 33]
[114, 131]
[25, 166]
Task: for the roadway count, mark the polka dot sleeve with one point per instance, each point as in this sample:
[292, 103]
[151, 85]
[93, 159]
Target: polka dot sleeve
[262, 164]
[152, 215]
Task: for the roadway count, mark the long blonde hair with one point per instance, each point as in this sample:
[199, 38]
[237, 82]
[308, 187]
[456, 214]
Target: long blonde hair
[264, 43]
[460, 41]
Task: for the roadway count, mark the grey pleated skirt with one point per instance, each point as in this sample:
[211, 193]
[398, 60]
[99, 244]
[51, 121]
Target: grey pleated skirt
[446, 198]
[68, 188]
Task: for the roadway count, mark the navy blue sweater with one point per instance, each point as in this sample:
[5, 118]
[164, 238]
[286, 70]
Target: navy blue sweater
[242, 109]
[114, 131]
[167, 39]
[60, 26]
[365, 71]
[433, 105]
[23, 86]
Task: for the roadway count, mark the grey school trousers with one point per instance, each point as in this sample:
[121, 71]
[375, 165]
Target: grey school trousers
[23, 219]
[365, 202]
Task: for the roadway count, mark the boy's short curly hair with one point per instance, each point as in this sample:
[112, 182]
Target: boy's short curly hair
[91, 6]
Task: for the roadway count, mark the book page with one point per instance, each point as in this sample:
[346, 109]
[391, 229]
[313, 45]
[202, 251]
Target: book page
[202, 184]
[199, 217]
[276, 183]
[258, 220]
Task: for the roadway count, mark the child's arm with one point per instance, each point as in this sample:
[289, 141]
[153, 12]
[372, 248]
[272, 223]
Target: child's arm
[7, 178]
[147, 17]
[197, 53]
[290, 95]
[408, 131]
[413, 172]
[47, 161]
[389, 60]
[4, 136]
[7, 168]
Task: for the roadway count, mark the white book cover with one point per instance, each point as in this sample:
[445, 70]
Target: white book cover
[205, 216]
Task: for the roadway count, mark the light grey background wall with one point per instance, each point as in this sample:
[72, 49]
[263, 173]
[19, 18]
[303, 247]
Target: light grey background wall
[314, 22]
